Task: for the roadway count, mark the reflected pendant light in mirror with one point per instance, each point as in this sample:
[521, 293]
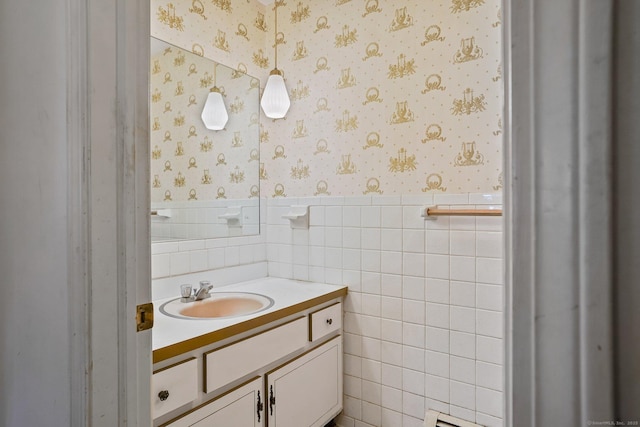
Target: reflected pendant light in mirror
[214, 113]
[275, 100]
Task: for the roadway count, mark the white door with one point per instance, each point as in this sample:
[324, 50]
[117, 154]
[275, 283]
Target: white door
[75, 249]
[108, 103]
[307, 392]
[134, 262]
[242, 407]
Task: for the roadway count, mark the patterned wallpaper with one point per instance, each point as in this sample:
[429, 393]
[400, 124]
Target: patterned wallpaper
[232, 32]
[388, 97]
[188, 161]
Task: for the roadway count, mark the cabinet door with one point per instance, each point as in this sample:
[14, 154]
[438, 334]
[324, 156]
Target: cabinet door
[307, 392]
[241, 407]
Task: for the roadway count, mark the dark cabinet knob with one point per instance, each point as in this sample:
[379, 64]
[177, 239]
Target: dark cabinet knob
[329, 321]
[163, 395]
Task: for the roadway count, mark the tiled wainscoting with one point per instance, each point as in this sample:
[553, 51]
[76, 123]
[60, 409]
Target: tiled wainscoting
[424, 315]
[424, 321]
[170, 259]
[175, 258]
[190, 220]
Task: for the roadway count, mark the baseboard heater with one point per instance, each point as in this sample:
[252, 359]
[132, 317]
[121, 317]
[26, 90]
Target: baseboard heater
[438, 419]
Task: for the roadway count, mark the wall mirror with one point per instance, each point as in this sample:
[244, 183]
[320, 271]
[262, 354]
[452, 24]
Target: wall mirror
[204, 183]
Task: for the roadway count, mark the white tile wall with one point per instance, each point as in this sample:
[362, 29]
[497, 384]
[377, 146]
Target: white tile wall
[392, 377]
[189, 220]
[463, 293]
[463, 344]
[413, 335]
[391, 418]
[463, 319]
[462, 369]
[371, 348]
[489, 402]
[371, 392]
[438, 291]
[437, 364]
[463, 395]
[169, 259]
[438, 339]
[391, 331]
[352, 386]
[438, 266]
[424, 313]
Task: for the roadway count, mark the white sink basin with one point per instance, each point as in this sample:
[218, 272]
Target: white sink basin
[220, 305]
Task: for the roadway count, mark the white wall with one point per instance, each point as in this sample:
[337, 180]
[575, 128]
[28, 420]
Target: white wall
[34, 312]
[424, 314]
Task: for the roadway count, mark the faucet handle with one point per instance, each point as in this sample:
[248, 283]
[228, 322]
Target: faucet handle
[206, 284]
[186, 293]
[185, 290]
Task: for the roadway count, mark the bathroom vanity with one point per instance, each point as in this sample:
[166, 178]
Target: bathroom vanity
[280, 366]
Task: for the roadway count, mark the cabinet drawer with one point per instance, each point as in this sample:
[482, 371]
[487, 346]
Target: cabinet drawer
[174, 386]
[227, 364]
[325, 321]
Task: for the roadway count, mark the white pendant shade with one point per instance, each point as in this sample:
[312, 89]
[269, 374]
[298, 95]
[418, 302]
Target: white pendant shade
[214, 113]
[275, 100]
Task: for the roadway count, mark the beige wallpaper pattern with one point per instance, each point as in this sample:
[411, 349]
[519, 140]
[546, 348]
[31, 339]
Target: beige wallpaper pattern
[188, 161]
[388, 97]
[231, 32]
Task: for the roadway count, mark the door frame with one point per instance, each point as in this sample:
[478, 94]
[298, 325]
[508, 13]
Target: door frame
[558, 212]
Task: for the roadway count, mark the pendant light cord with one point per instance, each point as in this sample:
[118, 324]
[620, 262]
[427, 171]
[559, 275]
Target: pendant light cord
[275, 35]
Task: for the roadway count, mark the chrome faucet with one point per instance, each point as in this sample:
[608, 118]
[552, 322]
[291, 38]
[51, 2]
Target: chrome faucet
[203, 291]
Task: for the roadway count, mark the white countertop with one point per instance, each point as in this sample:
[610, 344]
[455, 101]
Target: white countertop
[168, 331]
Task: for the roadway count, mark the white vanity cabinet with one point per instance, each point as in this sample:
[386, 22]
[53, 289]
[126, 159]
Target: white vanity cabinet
[283, 372]
[307, 391]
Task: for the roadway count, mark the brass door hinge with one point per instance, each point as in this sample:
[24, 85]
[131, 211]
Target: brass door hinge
[144, 316]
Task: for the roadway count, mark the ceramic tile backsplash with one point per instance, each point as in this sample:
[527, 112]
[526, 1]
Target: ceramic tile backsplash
[176, 258]
[423, 317]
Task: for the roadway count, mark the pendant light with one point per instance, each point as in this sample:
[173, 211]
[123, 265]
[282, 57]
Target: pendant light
[275, 100]
[214, 113]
